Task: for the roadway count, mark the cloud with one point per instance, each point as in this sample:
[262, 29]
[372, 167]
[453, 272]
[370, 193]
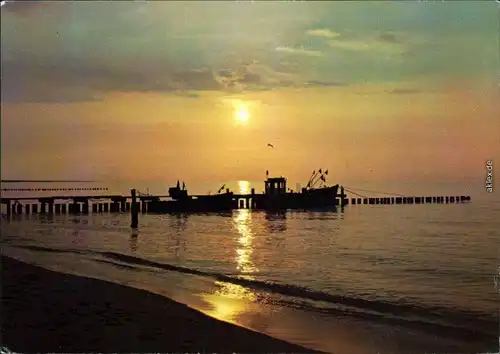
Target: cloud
[403, 91]
[187, 94]
[353, 45]
[30, 80]
[324, 32]
[387, 43]
[255, 76]
[198, 79]
[33, 80]
[324, 83]
[299, 51]
[389, 37]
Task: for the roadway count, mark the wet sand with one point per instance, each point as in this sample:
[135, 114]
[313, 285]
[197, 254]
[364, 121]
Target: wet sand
[47, 311]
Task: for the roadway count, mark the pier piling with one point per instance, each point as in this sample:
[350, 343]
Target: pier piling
[85, 207]
[133, 211]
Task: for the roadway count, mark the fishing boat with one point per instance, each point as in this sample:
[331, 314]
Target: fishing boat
[182, 202]
[278, 197]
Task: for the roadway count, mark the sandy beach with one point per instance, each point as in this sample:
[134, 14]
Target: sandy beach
[46, 311]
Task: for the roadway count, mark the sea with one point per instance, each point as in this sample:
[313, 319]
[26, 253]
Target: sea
[360, 279]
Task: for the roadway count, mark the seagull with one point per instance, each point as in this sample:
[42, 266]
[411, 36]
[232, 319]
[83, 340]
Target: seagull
[270, 145]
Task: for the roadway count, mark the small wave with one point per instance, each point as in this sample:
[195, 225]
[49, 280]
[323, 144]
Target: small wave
[116, 264]
[444, 320]
[50, 249]
[440, 317]
[443, 330]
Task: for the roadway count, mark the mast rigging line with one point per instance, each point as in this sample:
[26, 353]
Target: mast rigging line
[371, 191]
[359, 195]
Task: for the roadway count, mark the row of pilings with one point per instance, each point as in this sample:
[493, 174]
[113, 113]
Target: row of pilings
[78, 207]
[411, 200]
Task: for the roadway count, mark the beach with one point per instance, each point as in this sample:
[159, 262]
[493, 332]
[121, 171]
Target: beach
[47, 311]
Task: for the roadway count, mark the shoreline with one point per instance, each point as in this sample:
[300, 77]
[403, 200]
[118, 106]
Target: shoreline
[48, 311]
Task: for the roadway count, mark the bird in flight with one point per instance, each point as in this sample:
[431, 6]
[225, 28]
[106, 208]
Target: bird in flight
[270, 145]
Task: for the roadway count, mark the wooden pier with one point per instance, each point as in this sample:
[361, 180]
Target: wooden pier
[120, 204]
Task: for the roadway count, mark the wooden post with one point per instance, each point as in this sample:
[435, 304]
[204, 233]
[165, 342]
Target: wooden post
[85, 207]
[134, 211]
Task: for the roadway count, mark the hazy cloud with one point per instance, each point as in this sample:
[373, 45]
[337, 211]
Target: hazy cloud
[33, 81]
[402, 91]
[385, 42]
[324, 32]
[300, 51]
[389, 37]
[324, 83]
[353, 45]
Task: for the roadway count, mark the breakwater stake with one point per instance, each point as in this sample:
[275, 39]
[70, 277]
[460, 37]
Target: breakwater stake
[134, 211]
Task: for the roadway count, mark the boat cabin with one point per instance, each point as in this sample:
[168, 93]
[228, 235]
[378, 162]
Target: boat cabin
[275, 186]
[178, 193]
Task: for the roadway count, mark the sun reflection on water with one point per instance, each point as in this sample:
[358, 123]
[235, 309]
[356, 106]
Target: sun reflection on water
[244, 187]
[231, 300]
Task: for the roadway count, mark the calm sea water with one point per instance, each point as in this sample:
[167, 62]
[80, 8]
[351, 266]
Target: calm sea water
[403, 278]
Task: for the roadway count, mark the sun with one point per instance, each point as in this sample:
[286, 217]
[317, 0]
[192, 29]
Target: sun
[241, 114]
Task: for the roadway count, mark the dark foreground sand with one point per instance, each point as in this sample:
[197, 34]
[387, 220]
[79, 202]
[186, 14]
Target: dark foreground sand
[46, 311]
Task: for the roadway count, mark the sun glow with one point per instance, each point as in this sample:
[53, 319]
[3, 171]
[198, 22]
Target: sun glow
[241, 114]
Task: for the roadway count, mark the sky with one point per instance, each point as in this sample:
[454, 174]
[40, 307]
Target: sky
[159, 91]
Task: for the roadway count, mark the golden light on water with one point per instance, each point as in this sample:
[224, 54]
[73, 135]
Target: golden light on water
[230, 300]
[244, 187]
[244, 251]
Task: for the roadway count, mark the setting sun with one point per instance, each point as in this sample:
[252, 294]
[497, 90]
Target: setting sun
[242, 115]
